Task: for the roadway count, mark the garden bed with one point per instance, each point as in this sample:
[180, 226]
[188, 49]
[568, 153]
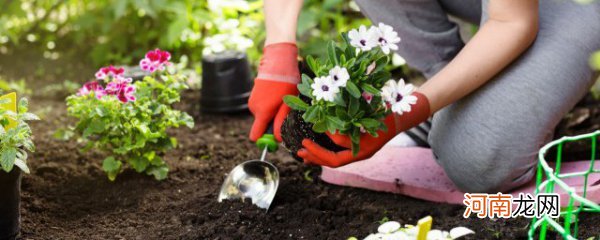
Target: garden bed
[68, 196]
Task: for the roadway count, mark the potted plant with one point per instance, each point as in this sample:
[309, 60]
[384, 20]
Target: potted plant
[350, 93]
[128, 120]
[15, 142]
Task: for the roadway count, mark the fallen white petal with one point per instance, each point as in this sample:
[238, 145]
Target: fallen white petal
[375, 236]
[389, 227]
[397, 236]
[435, 235]
[460, 232]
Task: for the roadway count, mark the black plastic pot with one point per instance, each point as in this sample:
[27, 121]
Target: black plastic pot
[10, 198]
[226, 83]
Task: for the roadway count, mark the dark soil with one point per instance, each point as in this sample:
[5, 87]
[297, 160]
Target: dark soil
[295, 129]
[67, 196]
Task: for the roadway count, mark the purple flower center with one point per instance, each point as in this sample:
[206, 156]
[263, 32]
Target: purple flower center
[399, 97]
[325, 88]
[382, 40]
[335, 77]
[363, 42]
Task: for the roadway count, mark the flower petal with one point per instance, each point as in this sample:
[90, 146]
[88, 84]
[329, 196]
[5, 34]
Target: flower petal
[458, 232]
[389, 227]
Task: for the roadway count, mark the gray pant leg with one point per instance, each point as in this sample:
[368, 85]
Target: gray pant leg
[488, 141]
[468, 10]
[429, 39]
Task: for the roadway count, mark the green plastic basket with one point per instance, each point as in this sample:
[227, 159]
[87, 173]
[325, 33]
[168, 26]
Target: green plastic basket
[548, 178]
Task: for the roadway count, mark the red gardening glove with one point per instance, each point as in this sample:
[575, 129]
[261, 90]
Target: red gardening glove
[313, 153]
[278, 76]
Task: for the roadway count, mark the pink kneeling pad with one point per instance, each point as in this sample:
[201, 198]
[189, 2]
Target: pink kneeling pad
[414, 172]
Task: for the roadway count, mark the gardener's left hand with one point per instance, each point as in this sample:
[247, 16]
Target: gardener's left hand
[313, 153]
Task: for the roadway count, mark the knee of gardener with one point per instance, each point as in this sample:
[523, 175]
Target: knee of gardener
[482, 168]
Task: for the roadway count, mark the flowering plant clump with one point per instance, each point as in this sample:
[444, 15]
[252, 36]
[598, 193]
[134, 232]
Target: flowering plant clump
[15, 135]
[129, 120]
[394, 230]
[352, 92]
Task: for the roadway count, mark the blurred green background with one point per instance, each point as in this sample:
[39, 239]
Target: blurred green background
[58, 40]
[49, 35]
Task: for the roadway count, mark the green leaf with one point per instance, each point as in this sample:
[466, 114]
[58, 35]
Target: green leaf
[355, 138]
[304, 86]
[369, 88]
[311, 115]
[369, 122]
[353, 89]
[336, 122]
[380, 64]
[159, 172]
[312, 64]
[23, 105]
[332, 54]
[343, 115]
[353, 106]
[29, 117]
[295, 103]
[139, 164]
[320, 127]
[95, 126]
[111, 167]
[339, 100]
[7, 159]
[22, 165]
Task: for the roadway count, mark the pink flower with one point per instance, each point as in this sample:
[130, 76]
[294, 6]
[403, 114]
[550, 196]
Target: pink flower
[90, 87]
[127, 94]
[114, 87]
[155, 60]
[367, 96]
[110, 71]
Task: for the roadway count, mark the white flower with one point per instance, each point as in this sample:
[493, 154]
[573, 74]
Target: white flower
[437, 235]
[399, 95]
[362, 38]
[389, 227]
[392, 231]
[229, 24]
[376, 236]
[215, 44]
[385, 37]
[398, 60]
[218, 5]
[458, 232]
[324, 88]
[339, 75]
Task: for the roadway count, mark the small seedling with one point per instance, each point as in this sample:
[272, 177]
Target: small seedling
[307, 176]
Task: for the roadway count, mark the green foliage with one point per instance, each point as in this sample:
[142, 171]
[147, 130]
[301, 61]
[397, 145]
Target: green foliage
[14, 86]
[321, 20]
[15, 142]
[119, 30]
[135, 132]
[350, 113]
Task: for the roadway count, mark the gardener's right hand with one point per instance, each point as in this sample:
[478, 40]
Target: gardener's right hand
[278, 76]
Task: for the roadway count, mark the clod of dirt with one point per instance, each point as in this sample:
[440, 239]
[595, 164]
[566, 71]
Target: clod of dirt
[295, 129]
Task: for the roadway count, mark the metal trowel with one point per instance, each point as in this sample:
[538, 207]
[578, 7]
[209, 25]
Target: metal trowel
[256, 180]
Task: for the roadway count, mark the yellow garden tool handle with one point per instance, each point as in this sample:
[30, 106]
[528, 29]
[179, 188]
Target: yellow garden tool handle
[10, 106]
